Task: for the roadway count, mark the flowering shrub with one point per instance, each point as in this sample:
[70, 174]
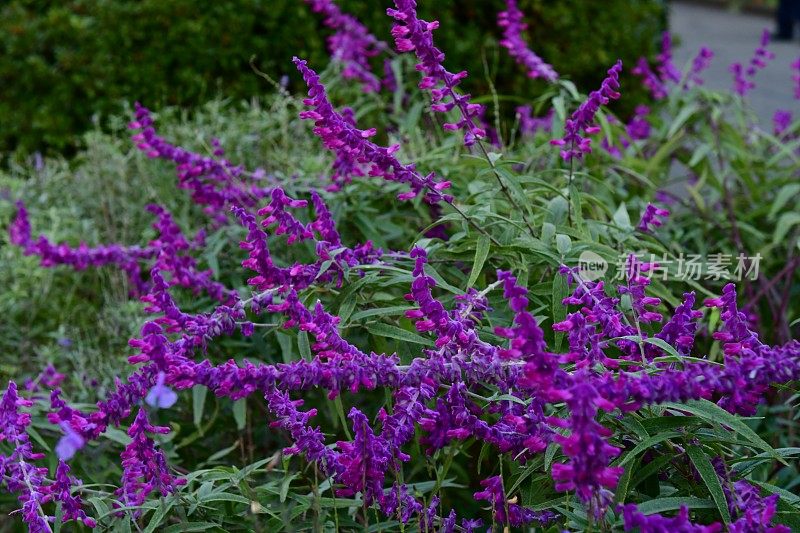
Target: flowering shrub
[463, 371]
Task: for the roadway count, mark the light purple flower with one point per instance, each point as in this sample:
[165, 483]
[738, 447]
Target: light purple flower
[160, 395]
[70, 443]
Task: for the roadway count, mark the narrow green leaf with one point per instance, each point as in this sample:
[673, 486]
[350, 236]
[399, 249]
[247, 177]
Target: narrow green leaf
[660, 505]
[199, 393]
[710, 478]
[646, 444]
[304, 345]
[481, 253]
[393, 332]
[159, 515]
[785, 223]
[240, 413]
[714, 414]
[559, 309]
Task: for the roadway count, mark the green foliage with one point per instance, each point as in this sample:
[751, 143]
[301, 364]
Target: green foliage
[85, 59]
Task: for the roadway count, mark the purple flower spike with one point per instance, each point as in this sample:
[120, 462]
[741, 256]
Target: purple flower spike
[700, 63]
[70, 443]
[743, 78]
[412, 33]
[352, 45]
[511, 20]
[161, 396]
[352, 144]
[655, 523]
[582, 120]
[652, 218]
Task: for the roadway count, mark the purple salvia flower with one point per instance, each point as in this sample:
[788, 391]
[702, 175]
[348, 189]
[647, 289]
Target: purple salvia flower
[649, 79]
[346, 165]
[161, 396]
[70, 443]
[636, 288]
[71, 504]
[781, 121]
[652, 218]
[743, 77]
[754, 513]
[530, 125]
[398, 502]
[339, 135]
[681, 328]
[655, 523]
[588, 472]
[582, 120]
[213, 182]
[639, 127]
[666, 68]
[527, 338]
[144, 465]
[352, 44]
[517, 516]
[512, 22]
[364, 461]
[700, 63]
[19, 474]
[412, 33]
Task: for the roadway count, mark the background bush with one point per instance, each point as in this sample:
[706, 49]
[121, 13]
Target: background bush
[84, 58]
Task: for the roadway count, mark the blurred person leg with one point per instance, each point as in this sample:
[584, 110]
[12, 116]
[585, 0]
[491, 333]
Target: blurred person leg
[787, 15]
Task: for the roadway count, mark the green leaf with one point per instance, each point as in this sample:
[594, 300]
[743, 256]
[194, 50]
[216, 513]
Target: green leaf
[481, 253]
[381, 311]
[681, 119]
[393, 332]
[191, 526]
[645, 445]
[563, 244]
[715, 415]
[159, 515]
[240, 413]
[785, 223]
[786, 193]
[655, 341]
[198, 403]
[304, 345]
[710, 478]
[58, 518]
[226, 497]
[621, 217]
[559, 309]
[660, 505]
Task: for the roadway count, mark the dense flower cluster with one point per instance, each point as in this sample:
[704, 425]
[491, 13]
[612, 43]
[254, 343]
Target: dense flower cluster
[512, 22]
[500, 385]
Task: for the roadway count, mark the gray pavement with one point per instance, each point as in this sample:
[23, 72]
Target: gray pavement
[733, 37]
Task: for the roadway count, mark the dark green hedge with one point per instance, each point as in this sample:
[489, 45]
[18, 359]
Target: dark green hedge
[65, 62]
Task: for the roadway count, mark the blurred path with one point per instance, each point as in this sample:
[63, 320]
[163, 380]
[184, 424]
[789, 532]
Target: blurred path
[733, 37]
